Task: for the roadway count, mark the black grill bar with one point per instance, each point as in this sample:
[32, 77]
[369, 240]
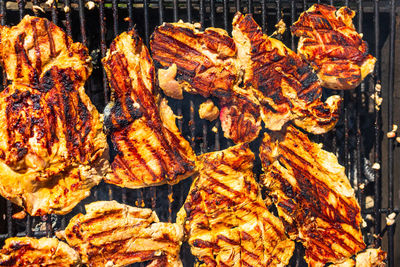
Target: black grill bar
[390, 123]
[146, 21]
[21, 8]
[115, 17]
[160, 10]
[202, 13]
[292, 20]
[175, 3]
[250, 6]
[264, 15]
[82, 22]
[67, 10]
[237, 4]
[212, 12]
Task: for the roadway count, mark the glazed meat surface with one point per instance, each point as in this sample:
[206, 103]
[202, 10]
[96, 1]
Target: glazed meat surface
[283, 83]
[150, 149]
[29, 251]
[225, 219]
[52, 146]
[113, 234]
[329, 41]
[371, 257]
[313, 196]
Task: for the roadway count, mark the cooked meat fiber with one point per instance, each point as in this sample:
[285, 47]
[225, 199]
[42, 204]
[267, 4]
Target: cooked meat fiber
[52, 146]
[329, 41]
[313, 196]
[150, 149]
[205, 63]
[29, 251]
[113, 234]
[372, 257]
[225, 218]
[284, 84]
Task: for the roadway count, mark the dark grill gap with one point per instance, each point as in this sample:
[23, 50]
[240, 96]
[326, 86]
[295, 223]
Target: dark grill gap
[351, 140]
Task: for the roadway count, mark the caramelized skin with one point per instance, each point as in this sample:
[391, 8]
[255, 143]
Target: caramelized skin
[372, 257]
[52, 146]
[313, 196]
[203, 59]
[113, 234]
[29, 251]
[150, 149]
[285, 85]
[225, 218]
[329, 41]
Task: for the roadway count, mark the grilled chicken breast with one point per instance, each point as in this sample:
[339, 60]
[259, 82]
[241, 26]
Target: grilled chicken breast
[113, 234]
[29, 251]
[313, 196]
[150, 149]
[372, 257]
[329, 41]
[52, 146]
[284, 84]
[225, 218]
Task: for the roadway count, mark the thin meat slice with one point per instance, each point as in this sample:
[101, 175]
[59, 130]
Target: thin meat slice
[286, 87]
[313, 196]
[225, 218]
[150, 149]
[329, 41]
[113, 234]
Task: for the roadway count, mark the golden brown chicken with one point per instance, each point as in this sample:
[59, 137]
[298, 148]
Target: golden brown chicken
[313, 196]
[150, 149]
[329, 41]
[225, 218]
[372, 257]
[113, 234]
[52, 146]
[283, 83]
[29, 251]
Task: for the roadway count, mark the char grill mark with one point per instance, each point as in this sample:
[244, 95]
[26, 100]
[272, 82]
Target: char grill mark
[203, 59]
[313, 196]
[28, 251]
[50, 130]
[329, 41]
[225, 218]
[150, 149]
[286, 87]
[119, 234]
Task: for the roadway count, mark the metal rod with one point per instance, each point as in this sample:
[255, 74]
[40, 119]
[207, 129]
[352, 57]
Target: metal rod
[170, 199]
[189, 10]
[237, 4]
[390, 123]
[54, 17]
[217, 145]
[82, 22]
[3, 12]
[175, 4]
[192, 125]
[21, 8]
[130, 13]
[146, 21]
[226, 14]
[202, 14]
[28, 228]
[264, 16]
[377, 145]
[115, 17]
[212, 13]
[103, 47]
[161, 11]
[250, 7]
[67, 10]
[153, 193]
[278, 17]
[9, 219]
[204, 148]
[292, 19]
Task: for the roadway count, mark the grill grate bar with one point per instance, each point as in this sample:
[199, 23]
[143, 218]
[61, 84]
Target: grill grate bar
[202, 15]
[390, 123]
[146, 20]
[160, 10]
[21, 8]
[250, 7]
[82, 22]
[226, 14]
[212, 13]
[264, 15]
[237, 4]
[175, 4]
[292, 20]
[115, 17]
[67, 10]
[189, 10]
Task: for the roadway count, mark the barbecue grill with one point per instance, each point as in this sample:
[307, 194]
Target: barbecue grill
[359, 139]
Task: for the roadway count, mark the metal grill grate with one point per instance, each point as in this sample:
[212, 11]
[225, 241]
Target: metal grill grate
[358, 138]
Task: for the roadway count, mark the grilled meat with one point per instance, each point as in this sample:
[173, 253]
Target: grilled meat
[225, 218]
[204, 60]
[372, 257]
[329, 41]
[29, 251]
[113, 234]
[208, 110]
[313, 196]
[52, 146]
[150, 149]
[284, 84]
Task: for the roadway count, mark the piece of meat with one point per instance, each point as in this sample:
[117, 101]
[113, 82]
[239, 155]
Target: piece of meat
[204, 59]
[329, 41]
[113, 234]
[167, 82]
[150, 149]
[52, 146]
[372, 257]
[284, 84]
[29, 251]
[313, 196]
[225, 218]
[208, 110]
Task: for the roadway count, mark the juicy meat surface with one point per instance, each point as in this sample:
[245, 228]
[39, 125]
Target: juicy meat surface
[372, 257]
[313, 196]
[284, 84]
[52, 146]
[29, 251]
[113, 234]
[225, 218]
[208, 110]
[150, 149]
[329, 41]
[204, 60]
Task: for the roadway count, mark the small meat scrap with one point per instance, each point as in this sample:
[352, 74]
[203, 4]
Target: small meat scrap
[167, 82]
[285, 86]
[150, 149]
[313, 196]
[29, 251]
[208, 110]
[113, 234]
[329, 41]
[225, 218]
